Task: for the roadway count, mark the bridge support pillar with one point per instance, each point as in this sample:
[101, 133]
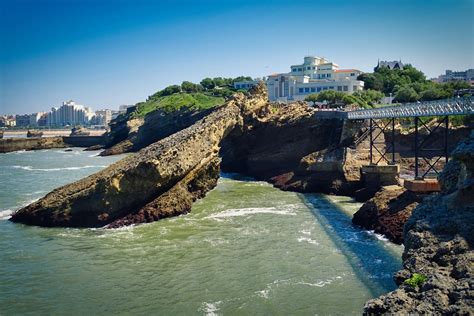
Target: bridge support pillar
[376, 176]
[422, 186]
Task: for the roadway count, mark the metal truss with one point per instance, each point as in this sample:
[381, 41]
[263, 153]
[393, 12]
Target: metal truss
[421, 142]
[455, 106]
[373, 127]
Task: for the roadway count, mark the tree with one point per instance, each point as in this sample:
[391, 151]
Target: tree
[190, 87]
[406, 94]
[371, 97]
[207, 83]
[219, 82]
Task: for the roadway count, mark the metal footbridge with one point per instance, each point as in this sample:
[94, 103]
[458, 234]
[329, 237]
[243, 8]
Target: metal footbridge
[382, 121]
[455, 106]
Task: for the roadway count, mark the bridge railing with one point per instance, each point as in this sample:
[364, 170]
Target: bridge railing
[455, 106]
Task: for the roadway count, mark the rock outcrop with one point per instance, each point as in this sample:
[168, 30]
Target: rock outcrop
[15, 144]
[79, 131]
[133, 134]
[33, 133]
[293, 149]
[388, 211]
[158, 181]
[438, 241]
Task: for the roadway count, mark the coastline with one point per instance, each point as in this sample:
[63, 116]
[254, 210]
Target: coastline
[48, 133]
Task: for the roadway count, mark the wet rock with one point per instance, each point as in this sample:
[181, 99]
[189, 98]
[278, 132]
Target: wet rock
[387, 212]
[438, 240]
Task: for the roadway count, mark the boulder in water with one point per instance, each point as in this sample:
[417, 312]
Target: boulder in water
[79, 131]
[33, 133]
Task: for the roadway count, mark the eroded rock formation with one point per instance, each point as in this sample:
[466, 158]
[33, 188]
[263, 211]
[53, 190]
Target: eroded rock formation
[158, 181]
[291, 148]
[438, 245]
[133, 134]
[388, 211]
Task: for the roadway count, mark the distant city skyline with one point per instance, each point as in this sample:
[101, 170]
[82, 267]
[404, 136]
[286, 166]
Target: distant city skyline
[107, 53]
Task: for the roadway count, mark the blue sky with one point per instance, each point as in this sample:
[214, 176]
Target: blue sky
[103, 53]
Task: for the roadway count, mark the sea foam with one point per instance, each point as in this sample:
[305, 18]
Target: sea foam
[30, 168]
[5, 214]
[236, 212]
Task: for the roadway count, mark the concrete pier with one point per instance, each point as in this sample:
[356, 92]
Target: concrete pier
[379, 175]
[422, 186]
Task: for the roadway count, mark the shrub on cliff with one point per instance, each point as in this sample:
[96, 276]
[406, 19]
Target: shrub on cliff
[169, 103]
[416, 280]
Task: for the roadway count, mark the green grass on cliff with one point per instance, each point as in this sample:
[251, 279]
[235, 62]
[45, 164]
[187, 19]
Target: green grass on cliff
[170, 103]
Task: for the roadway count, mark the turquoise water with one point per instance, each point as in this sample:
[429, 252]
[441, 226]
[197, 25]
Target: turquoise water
[245, 249]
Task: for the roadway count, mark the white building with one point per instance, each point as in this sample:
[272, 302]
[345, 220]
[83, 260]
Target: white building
[467, 75]
[35, 118]
[102, 117]
[69, 113]
[316, 74]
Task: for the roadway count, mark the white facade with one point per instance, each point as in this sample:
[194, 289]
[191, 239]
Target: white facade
[467, 75]
[102, 117]
[316, 74]
[70, 113]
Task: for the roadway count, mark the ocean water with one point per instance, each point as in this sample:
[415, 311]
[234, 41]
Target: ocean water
[245, 249]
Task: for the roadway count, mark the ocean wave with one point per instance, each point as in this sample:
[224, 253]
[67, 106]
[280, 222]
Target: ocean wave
[210, 309]
[34, 193]
[308, 240]
[18, 152]
[236, 212]
[378, 236]
[30, 168]
[5, 214]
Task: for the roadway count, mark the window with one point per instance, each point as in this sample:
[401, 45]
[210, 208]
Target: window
[328, 75]
[314, 67]
[319, 89]
[237, 86]
[323, 76]
[308, 68]
[325, 88]
[346, 88]
[294, 70]
[300, 90]
[353, 74]
[339, 88]
[331, 88]
[306, 90]
[313, 89]
[300, 69]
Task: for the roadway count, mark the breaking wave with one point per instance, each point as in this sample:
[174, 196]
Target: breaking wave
[235, 212]
[30, 168]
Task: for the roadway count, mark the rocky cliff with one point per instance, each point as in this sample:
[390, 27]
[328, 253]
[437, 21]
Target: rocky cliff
[130, 135]
[438, 260]
[159, 181]
[293, 149]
